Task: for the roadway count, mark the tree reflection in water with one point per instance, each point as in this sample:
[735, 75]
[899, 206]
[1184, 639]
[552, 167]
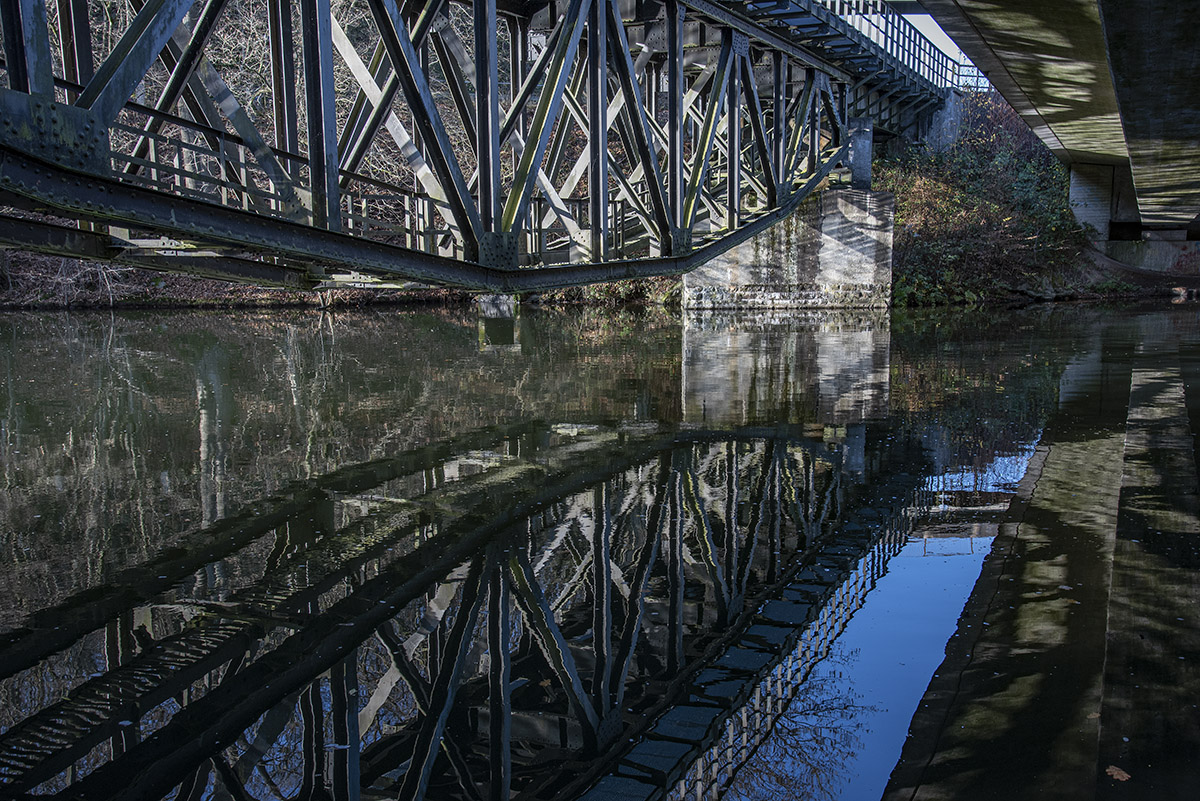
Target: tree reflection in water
[351, 475]
[811, 745]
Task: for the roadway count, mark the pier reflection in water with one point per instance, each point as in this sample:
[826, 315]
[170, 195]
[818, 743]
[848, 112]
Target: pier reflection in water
[532, 571]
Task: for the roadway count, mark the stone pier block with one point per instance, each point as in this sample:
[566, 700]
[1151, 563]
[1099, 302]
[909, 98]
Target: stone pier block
[835, 251]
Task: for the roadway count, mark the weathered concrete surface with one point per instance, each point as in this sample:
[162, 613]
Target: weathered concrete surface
[1103, 194]
[826, 367]
[834, 252]
[861, 132]
[946, 124]
[1013, 711]
[1176, 258]
[1102, 82]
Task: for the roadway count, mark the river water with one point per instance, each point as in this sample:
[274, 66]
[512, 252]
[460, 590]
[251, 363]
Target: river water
[562, 554]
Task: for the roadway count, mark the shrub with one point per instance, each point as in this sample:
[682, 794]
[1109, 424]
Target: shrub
[988, 214]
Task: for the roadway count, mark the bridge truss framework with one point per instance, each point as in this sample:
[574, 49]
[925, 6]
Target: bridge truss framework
[579, 141]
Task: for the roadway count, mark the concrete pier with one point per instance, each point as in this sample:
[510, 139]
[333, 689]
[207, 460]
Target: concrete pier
[834, 252]
[1103, 197]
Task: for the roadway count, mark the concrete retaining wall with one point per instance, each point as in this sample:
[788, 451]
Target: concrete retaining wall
[1172, 257]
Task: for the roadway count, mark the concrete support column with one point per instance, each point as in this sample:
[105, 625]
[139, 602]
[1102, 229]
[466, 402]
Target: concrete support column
[1102, 196]
[835, 251]
[1091, 196]
[945, 124]
[862, 133]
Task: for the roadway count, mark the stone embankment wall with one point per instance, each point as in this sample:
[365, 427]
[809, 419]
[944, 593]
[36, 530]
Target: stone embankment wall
[834, 252]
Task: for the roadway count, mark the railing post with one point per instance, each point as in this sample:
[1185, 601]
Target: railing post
[75, 43]
[814, 119]
[733, 136]
[283, 75]
[152, 155]
[675, 121]
[518, 55]
[244, 173]
[487, 113]
[317, 40]
[779, 123]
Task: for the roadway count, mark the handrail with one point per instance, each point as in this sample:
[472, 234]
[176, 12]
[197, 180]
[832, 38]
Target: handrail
[900, 39]
[897, 37]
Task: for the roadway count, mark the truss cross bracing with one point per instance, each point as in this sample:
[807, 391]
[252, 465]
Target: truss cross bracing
[490, 145]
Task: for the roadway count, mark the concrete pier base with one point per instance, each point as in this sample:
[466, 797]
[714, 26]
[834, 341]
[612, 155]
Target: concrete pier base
[834, 252]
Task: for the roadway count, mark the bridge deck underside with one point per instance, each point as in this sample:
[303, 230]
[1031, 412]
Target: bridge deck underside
[1101, 82]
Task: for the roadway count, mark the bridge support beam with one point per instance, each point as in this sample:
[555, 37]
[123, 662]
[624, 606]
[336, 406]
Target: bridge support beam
[834, 252]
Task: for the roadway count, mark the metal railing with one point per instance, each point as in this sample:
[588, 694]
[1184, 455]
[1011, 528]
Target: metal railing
[970, 78]
[904, 42]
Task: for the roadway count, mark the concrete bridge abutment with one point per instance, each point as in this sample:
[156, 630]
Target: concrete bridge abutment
[1103, 197]
[835, 251]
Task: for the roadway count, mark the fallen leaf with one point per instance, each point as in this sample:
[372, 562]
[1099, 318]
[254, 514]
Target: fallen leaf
[1093, 716]
[1118, 774]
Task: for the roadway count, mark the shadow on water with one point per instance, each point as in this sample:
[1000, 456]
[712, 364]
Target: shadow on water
[441, 556]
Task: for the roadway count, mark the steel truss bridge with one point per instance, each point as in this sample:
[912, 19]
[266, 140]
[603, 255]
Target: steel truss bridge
[646, 605]
[496, 145]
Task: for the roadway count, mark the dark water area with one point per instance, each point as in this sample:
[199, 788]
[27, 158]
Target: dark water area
[558, 555]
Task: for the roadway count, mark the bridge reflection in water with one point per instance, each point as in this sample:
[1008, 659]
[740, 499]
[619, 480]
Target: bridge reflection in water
[538, 610]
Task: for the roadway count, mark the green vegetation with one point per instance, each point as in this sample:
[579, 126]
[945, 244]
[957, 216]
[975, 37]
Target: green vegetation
[1114, 286]
[985, 218]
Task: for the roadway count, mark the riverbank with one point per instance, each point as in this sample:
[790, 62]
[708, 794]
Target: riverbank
[32, 281]
[43, 282]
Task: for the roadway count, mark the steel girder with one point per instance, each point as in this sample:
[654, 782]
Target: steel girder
[580, 142]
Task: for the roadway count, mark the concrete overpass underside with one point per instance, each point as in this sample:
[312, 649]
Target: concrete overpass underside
[1109, 86]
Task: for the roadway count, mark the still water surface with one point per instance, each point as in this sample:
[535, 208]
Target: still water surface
[558, 555]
